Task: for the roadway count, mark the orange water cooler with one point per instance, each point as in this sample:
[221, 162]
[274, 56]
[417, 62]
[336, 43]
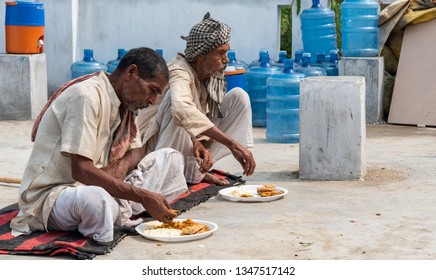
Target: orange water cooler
[24, 27]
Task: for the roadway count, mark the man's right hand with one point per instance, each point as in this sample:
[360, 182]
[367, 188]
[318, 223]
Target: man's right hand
[241, 154]
[158, 207]
[201, 152]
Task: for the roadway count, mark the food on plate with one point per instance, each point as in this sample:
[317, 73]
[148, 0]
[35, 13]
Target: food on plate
[269, 190]
[163, 232]
[175, 228]
[240, 193]
[193, 229]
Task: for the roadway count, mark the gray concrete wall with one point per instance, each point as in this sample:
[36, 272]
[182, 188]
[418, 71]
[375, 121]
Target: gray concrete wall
[106, 25]
[23, 86]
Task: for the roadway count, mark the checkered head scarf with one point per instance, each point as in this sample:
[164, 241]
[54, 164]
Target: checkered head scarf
[204, 37]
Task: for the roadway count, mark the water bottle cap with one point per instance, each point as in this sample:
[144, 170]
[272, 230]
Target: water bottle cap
[289, 63]
[333, 57]
[263, 50]
[88, 55]
[121, 53]
[264, 59]
[315, 4]
[231, 54]
[320, 57]
[306, 59]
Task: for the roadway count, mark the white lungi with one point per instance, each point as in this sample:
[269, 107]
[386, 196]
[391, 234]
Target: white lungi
[236, 123]
[94, 212]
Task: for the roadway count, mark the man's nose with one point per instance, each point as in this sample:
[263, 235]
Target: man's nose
[226, 59]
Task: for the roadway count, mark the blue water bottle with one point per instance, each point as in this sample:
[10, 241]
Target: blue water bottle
[233, 61]
[257, 61]
[359, 28]
[112, 64]
[256, 88]
[310, 70]
[318, 29]
[283, 105]
[320, 60]
[331, 67]
[87, 66]
[280, 62]
[298, 60]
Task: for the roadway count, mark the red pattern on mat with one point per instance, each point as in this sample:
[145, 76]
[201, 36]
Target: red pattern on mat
[77, 243]
[4, 219]
[41, 239]
[199, 186]
[67, 250]
[7, 236]
[80, 247]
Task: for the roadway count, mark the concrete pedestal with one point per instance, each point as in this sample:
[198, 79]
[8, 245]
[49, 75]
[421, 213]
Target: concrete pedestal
[23, 86]
[372, 68]
[332, 128]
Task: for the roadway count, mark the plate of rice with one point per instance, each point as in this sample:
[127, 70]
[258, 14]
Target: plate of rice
[178, 230]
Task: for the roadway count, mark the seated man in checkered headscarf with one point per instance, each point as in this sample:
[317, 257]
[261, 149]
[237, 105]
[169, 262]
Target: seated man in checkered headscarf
[196, 116]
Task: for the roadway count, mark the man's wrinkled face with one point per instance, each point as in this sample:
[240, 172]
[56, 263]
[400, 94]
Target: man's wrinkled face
[215, 62]
[140, 93]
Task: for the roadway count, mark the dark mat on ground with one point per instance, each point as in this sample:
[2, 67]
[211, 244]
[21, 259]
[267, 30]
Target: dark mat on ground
[80, 247]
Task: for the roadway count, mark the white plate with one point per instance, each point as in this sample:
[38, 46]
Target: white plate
[252, 189]
[149, 225]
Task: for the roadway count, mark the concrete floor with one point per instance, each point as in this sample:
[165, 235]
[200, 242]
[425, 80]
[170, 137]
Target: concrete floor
[389, 215]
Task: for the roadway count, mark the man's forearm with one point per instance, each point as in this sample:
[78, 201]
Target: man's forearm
[84, 171]
[133, 157]
[219, 136]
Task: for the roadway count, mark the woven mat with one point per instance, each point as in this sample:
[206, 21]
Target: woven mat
[80, 247]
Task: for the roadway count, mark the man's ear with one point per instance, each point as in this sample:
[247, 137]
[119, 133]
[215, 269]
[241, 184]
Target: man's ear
[131, 71]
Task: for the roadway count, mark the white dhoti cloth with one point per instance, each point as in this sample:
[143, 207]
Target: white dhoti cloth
[236, 123]
[93, 212]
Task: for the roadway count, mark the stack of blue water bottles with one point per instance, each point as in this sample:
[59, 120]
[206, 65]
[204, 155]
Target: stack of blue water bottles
[318, 30]
[256, 86]
[283, 105]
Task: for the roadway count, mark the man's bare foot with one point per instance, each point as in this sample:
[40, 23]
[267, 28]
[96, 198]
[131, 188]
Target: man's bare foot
[212, 179]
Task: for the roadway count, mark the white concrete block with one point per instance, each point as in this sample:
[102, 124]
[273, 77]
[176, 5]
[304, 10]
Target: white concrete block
[332, 128]
[23, 86]
[372, 68]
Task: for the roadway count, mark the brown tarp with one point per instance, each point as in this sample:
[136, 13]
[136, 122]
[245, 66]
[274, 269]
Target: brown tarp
[392, 21]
